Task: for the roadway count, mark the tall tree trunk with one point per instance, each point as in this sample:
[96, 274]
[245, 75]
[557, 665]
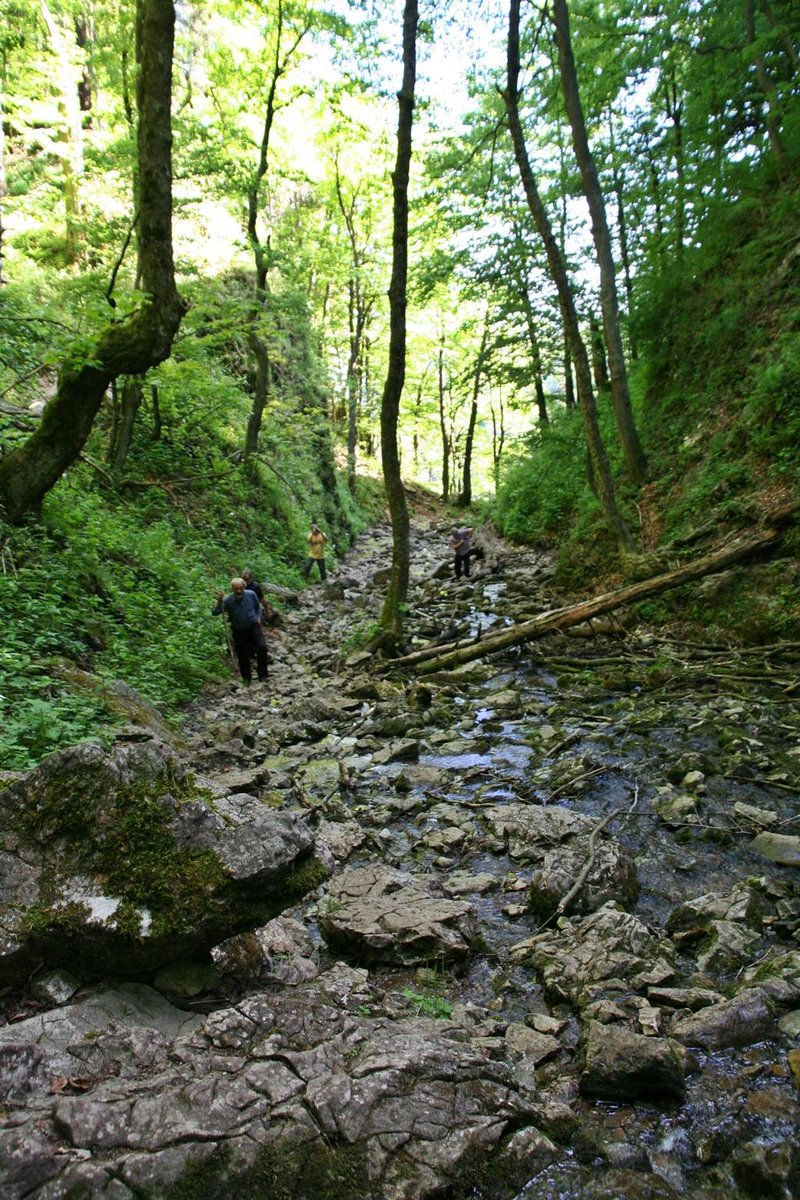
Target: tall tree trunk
[674, 109]
[391, 620]
[498, 439]
[82, 37]
[570, 402]
[597, 451]
[70, 131]
[466, 486]
[655, 198]
[143, 339]
[766, 85]
[123, 433]
[261, 249]
[609, 303]
[599, 364]
[443, 424]
[261, 391]
[358, 310]
[536, 355]
[157, 422]
[622, 227]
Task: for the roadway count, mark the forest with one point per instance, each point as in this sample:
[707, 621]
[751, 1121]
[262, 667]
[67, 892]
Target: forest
[556, 285]
[471, 333]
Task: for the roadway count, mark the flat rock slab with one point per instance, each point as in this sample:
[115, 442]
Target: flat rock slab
[378, 915]
[121, 1032]
[286, 1089]
[530, 830]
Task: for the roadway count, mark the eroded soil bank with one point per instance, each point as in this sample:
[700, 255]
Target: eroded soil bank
[449, 1014]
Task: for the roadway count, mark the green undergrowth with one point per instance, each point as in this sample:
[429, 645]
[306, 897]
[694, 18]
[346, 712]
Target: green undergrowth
[120, 585]
[715, 391]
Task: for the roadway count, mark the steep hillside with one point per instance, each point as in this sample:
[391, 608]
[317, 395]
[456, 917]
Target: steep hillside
[114, 582]
[717, 392]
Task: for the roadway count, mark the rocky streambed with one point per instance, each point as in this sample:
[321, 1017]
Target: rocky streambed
[537, 933]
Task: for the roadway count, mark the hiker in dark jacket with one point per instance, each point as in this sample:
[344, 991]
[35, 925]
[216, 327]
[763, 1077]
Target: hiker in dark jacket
[242, 608]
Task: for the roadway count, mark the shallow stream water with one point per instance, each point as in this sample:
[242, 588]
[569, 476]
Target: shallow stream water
[576, 742]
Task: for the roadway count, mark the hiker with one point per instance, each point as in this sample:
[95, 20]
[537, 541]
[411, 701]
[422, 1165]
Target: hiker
[268, 614]
[462, 546]
[316, 551]
[242, 608]
[253, 585]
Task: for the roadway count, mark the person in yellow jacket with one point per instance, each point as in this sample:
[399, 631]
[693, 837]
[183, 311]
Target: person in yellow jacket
[316, 551]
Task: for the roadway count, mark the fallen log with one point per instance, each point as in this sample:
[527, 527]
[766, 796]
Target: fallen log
[445, 657]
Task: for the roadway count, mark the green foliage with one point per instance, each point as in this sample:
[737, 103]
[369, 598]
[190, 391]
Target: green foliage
[428, 1005]
[118, 580]
[540, 491]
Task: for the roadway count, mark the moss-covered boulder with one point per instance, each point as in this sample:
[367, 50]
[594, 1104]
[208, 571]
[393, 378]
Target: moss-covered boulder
[119, 862]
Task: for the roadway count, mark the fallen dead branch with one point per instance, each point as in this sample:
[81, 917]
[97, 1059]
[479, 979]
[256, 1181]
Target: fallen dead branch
[444, 658]
[583, 875]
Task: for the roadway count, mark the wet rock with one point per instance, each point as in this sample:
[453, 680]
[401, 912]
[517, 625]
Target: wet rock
[449, 839]
[505, 703]
[530, 830]
[742, 903]
[420, 775]
[610, 950]
[649, 1021]
[374, 914]
[56, 987]
[692, 998]
[232, 782]
[398, 752]
[460, 883]
[342, 837]
[748, 813]
[767, 1170]
[529, 1046]
[612, 878]
[790, 1024]
[729, 946]
[746, 1018]
[776, 965]
[621, 1065]
[793, 1059]
[676, 810]
[778, 848]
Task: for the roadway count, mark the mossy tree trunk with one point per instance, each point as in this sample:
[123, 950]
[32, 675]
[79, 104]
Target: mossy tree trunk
[391, 620]
[142, 340]
[130, 403]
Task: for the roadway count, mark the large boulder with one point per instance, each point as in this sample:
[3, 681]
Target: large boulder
[556, 841]
[118, 862]
[608, 953]
[749, 1016]
[622, 1065]
[611, 877]
[378, 915]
